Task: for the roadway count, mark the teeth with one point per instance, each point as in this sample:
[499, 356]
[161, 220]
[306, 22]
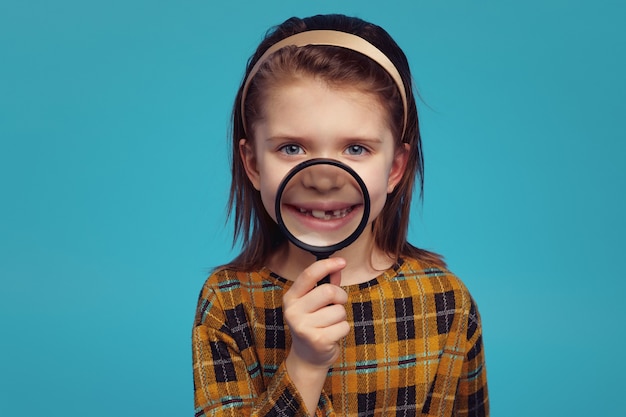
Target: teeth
[318, 214]
[327, 215]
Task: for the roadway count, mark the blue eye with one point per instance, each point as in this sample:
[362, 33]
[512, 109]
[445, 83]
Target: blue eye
[355, 150]
[291, 149]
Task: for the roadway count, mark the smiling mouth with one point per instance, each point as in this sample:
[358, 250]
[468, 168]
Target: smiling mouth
[328, 214]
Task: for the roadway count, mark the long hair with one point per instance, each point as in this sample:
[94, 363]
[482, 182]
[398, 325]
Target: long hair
[341, 67]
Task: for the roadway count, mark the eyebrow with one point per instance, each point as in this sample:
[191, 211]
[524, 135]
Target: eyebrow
[278, 138]
[364, 139]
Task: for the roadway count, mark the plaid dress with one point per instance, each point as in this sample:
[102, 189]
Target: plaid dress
[414, 348]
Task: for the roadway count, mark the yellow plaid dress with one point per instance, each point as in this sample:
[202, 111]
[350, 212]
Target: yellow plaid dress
[414, 348]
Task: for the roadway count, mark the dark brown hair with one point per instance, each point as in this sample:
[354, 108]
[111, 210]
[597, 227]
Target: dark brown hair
[339, 67]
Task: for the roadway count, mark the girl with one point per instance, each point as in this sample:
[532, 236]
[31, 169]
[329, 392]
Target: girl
[394, 333]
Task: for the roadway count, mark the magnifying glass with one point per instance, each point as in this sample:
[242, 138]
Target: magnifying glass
[322, 206]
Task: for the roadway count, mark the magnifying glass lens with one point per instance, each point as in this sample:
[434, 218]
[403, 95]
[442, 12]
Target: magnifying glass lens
[322, 206]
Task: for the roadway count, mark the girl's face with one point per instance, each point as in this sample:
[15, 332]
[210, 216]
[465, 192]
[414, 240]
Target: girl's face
[306, 118]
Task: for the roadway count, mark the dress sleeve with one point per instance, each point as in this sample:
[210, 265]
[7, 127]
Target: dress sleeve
[472, 398]
[225, 384]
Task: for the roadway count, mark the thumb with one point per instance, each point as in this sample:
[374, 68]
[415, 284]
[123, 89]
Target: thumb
[335, 278]
[308, 279]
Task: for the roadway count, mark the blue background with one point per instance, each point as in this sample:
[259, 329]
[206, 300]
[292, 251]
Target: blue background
[114, 178]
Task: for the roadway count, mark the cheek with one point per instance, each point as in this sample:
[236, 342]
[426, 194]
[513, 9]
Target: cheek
[268, 203]
[377, 189]
[269, 185]
[268, 195]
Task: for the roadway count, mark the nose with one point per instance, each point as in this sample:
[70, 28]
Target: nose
[323, 178]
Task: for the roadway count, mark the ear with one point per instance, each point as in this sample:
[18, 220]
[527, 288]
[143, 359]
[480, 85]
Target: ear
[398, 166]
[248, 158]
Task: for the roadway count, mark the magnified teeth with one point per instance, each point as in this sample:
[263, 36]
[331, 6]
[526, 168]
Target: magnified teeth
[326, 215]
[319, 214]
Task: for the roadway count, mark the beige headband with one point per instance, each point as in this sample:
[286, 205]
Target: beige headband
[330, 38]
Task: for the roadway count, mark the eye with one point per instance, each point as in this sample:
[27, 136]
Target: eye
[355, 150]
[291, 149]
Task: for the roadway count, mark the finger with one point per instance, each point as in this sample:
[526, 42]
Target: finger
[328, 316]
[324, 295]
[336, 332]
[335, 278]
[317, 270]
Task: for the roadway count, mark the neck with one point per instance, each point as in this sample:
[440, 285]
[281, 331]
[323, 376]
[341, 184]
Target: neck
[364, 261]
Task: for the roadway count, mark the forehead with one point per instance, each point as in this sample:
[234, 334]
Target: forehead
[309, 106]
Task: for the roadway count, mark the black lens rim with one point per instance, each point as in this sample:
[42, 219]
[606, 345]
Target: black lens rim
[322, 252]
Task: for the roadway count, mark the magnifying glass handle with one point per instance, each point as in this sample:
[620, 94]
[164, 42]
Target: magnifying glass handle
[319, 257]
[325, 280]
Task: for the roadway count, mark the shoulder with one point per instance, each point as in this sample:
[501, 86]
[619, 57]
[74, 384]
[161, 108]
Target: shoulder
[429, 272]
[227, 290]
[229, 286]
[435, 281]
[225, 280]
[443, 296]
